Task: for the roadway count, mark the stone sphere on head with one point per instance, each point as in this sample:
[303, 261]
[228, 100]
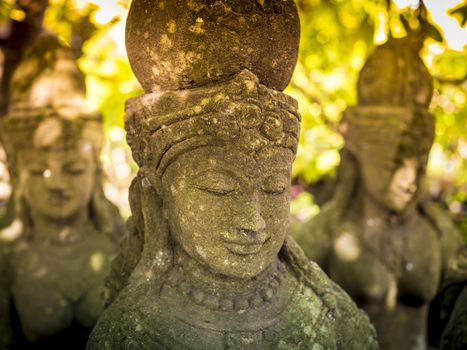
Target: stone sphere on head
[174, 45]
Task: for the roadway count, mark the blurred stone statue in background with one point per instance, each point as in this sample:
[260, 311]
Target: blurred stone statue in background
[68, 231]
[209, 263]
[378, 237]
[5, 331]
[454, 334]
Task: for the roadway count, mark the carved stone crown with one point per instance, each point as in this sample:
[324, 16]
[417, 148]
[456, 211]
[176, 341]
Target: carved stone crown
[386, 129]
[394, 91]
[241, 113]
[46, 129]
[396, 75]
[48, 101]
[48, 77]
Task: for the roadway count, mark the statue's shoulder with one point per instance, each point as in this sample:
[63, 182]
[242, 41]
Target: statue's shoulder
[7, 250]
[314, 236]
[453, 244]
[351, 325]
[123, 324]
[317, 235]
[443, 222]
[454, 335]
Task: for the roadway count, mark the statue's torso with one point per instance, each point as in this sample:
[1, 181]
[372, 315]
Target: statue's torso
[455, 333]
[4, 296]
[56, 285]
[295, 318]
[394, 276]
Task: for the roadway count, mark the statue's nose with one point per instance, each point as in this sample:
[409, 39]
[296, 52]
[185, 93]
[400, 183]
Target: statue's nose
[249, 221]
[254, 237]
[54, 180]
[412, 188]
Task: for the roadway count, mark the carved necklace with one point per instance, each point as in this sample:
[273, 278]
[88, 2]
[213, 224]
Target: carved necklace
[66, 236]
[262, 294]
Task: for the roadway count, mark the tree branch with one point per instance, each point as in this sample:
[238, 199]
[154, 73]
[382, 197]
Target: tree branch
[16, 36]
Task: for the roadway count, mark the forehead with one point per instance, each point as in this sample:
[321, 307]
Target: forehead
[242, 163]
[61, 151]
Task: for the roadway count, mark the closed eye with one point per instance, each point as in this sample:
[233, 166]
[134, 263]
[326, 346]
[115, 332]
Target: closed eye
[37, 170]
[74, 168]
[216, 191]
[276, 184]
[216, 183]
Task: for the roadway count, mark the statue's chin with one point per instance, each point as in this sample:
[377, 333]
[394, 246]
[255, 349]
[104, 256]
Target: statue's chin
[399, 203]
[54, 214]
[235, 266]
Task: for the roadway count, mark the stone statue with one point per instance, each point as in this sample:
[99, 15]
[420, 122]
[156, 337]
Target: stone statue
[5, 331]
[209, 264]
[454, 336]
[448, 312]
[69, 231]
[378, 237]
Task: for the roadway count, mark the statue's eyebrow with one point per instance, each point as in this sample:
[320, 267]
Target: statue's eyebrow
[73, 161]
[225, 172]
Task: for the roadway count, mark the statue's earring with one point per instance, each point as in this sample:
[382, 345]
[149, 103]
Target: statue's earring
[165, 212]
[149, 179]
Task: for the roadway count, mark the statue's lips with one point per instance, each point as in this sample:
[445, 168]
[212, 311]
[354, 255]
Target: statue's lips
[58, 199]
[245, 245]
[402, 196]
[241, 249]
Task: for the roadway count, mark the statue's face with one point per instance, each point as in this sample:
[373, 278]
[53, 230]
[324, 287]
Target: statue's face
[58, 183]
[229, 209]
[393, 186]
[403, 185]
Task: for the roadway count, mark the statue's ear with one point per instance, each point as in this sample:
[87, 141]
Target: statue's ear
[134, 195]
[157, 251]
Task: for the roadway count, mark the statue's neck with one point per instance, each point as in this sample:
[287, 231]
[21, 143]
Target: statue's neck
[189, 271]
[375, 214]
[60, 231]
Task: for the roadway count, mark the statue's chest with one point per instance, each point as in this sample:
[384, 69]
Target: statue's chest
[420, 264]
[51, 270]
[404, 262]
[53, 285]
[300, 323]
[279, 336]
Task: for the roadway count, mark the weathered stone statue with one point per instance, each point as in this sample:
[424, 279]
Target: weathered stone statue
[5, 331]
[68, 229]
[214, 267]
[454, 336]
[378, 237]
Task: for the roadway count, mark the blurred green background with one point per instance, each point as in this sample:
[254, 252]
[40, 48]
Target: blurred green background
[337, 36]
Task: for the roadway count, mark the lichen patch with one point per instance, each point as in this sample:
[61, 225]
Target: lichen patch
[165, 41]
[171, 26]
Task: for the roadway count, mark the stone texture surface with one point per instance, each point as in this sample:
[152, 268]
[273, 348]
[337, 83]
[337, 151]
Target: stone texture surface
[5, 331]
[377, 237]
[182, 44]
[208, 263]
[454, 336]
[67, 229]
